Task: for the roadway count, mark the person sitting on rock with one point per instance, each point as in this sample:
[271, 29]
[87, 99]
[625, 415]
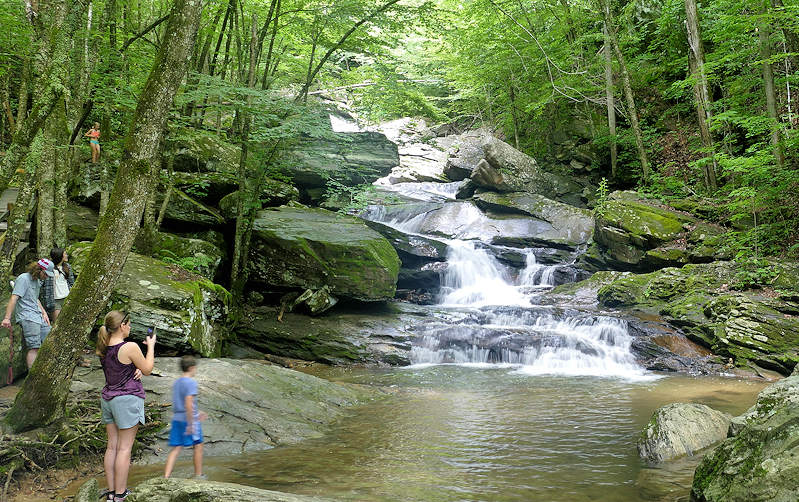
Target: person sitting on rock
[30, 313]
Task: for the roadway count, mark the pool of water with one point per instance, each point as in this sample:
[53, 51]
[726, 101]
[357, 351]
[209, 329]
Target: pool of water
[485, 433]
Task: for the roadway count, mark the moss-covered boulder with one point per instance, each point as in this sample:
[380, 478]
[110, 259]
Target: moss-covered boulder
[571, 226]
[680, 429]
[349, 158]
[506, 169]
[637, 234]
[304, 248]
[205, 153]
[746, 326]
[196, 255]
[188, 311]
[761, 462]
[274, 193]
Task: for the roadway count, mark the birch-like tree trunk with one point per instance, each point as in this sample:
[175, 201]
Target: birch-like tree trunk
[44, 394]
[628, 89]
[764, 39]
[611, 102]
[696, 63]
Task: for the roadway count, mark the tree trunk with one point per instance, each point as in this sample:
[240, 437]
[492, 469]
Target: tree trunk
[18, 218]
[628, 89]
[43, 396]
[764, 35]
[696, 62]
[611, 102]
[245, 205]
[22, 103]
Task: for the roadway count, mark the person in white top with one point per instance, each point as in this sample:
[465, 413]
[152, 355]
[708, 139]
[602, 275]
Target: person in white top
[55, 289]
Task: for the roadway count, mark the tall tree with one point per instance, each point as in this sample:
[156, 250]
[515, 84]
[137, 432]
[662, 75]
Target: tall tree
[611, 100]
[696, 62]
[44, 394]
[632, 110]
[764, 44]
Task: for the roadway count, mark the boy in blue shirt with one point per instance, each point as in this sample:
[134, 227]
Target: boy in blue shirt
[186, 428]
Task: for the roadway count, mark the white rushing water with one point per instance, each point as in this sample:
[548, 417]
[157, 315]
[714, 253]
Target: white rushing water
[502, 324]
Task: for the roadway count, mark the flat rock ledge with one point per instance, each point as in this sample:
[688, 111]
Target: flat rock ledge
[251, 405]
[680, 429]
[186, 490]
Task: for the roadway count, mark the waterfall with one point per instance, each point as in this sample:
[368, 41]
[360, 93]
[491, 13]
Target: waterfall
[475, 278]
[535, 274]
[492, 316]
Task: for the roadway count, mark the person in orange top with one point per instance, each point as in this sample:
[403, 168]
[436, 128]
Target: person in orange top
[94, 141]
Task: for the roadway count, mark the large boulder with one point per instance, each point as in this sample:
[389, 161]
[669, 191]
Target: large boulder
[570, 225]
[761, 462]
[681, 429]
[185, 211]
[202, 152]
[464, 220]
[423, 259]
[464, 152]
[349, 158]
[81, 223]
[273, 193]
[506, 169]
[304, 248]
[379, 335]
[188, 311]
[251, 405]
[196, 255]
[746, 326]
[637, 234]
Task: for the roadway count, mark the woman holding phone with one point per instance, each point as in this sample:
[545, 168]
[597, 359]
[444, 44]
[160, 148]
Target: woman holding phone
[122, 402]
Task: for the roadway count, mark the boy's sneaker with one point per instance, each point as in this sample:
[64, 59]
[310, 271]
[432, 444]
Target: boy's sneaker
[200, 476]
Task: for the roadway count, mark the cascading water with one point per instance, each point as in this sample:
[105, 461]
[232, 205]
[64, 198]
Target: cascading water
[491, 316]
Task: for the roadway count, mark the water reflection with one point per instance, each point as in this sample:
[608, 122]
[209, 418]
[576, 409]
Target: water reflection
[452, 433]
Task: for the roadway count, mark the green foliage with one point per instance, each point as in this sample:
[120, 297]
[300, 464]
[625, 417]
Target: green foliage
[602, 193]
[197, 263]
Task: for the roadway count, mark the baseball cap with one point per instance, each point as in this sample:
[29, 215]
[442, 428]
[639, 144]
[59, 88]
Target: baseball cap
[47, 266]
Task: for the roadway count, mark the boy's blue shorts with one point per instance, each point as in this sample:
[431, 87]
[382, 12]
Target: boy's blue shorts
[178, 436]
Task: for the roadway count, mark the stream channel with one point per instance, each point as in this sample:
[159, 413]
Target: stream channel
[508, 399]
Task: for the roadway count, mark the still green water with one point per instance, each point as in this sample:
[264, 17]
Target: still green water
[455, 433]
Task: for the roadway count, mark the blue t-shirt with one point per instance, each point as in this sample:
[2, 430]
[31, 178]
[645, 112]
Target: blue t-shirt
[184, 386]
[27, 288]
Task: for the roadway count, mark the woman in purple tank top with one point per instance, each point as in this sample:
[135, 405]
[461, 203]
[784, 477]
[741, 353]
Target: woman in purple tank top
[122, 402]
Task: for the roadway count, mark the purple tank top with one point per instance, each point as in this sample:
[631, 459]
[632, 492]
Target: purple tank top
[119, 377]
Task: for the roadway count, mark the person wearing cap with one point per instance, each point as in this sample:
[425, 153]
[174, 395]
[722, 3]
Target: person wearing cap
[30, 313]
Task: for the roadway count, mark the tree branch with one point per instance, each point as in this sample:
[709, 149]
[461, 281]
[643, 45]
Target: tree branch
[145, 31]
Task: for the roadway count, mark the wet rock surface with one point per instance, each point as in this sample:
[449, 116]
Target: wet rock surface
[679, 429]
[381, 334]
[251, 405]
[760, 463]
[745, 326]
